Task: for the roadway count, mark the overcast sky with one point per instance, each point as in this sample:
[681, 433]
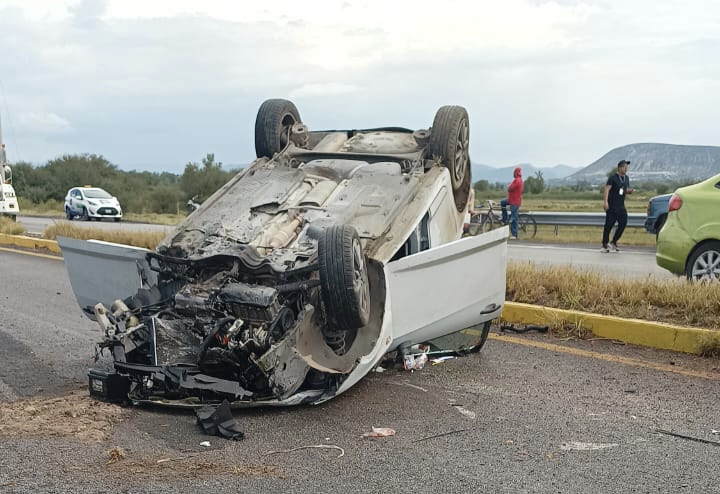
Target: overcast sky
[155, 84]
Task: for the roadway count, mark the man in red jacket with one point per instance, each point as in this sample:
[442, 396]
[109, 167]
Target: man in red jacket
[514, 199]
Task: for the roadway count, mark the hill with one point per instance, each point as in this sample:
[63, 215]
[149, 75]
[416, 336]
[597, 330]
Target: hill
[504, 174]
[655, 162]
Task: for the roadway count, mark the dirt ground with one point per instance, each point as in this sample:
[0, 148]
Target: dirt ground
[71, 415]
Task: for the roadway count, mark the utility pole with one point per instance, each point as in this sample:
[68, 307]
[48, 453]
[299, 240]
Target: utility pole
[3, 156]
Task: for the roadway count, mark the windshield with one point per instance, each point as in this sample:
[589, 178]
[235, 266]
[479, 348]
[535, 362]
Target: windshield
[97, 194]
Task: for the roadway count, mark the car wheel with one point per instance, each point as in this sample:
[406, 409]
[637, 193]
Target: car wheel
[450, 142]
[704, 263]
[84, 215]
[274, 120]
[343, 277]
[68, 214]
[117, 220]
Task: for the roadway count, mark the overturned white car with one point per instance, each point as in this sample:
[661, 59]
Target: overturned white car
[295, 278]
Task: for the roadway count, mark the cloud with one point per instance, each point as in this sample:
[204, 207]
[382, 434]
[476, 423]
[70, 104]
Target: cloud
[323, 89]
[43, 124]
[157, 84]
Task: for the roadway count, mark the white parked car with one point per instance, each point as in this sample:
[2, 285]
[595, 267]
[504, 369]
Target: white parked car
[293, 280]
[91, 203]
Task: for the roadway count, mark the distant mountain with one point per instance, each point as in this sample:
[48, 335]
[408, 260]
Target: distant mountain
[505, 174]
[653, 162]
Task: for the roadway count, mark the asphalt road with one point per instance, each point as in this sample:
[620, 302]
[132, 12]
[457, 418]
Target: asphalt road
[529, 413]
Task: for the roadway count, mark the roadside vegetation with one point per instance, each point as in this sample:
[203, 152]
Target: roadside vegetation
[43, 188]
[10, 227]
[147, 240]
[673, 301]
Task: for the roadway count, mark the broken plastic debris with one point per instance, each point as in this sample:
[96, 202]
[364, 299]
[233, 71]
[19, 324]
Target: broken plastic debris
[440, 360]
[714, 432]
[415, 362]
[379, 432]
[217, 420]
[379, 369]
[205, 444]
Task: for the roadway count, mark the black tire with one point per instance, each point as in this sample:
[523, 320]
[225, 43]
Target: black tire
[117, 220]
[13, 217]
[450, 143]
[487, 223]
[85, 216]
[68, 214]
[274, 120]
[704, 263]
[527, 226]
[343, 277]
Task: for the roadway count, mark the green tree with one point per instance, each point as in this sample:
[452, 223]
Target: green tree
[536, 184]
[201, 181]
[481, 186]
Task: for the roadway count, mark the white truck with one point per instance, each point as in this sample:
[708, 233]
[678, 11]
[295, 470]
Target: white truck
[8, 199]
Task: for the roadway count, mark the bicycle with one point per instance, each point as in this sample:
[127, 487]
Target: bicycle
[489, 219]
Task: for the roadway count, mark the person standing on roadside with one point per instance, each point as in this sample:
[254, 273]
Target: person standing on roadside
[514, 200]
[616, 188]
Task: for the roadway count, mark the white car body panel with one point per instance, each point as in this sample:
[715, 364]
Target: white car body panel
[8, 200]
[432, 295]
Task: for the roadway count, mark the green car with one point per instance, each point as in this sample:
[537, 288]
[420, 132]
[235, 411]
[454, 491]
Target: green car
[689, 242]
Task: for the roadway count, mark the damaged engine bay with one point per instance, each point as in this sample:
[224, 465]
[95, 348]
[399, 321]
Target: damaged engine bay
[208, 331]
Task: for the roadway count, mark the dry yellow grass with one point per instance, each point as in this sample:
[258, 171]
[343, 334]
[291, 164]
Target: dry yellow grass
[674, 301]
[10, 227]
[589, 234]
[148, 240]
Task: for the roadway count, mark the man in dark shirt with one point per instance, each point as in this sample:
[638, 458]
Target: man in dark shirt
[616, 188]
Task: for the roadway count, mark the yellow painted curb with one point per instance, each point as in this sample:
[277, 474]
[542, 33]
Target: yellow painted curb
[634, 331]
[29, 242]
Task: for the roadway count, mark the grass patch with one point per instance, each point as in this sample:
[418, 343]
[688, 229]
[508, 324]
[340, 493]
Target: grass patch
[590, 235]
[10, 227]
[673, 301]
[147, 240]
[54, 209]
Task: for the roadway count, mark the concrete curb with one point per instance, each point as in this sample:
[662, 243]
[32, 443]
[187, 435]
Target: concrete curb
[635, 331]
[29, 242]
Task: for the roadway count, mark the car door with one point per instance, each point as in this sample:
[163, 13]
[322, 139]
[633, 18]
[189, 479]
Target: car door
[75, 201]
[104, 271]
[447, 288]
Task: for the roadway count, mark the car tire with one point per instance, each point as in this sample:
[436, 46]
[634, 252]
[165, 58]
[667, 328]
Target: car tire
[704, 263]
[449, 142]
[274, 120]
[343, 277]
[68, 214]
[84, 215]
[117, 220]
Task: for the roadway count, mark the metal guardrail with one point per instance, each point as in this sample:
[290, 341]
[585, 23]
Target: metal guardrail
[581, 219]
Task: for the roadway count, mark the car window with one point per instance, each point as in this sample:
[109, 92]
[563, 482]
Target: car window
[97, 194]
[76, 193]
